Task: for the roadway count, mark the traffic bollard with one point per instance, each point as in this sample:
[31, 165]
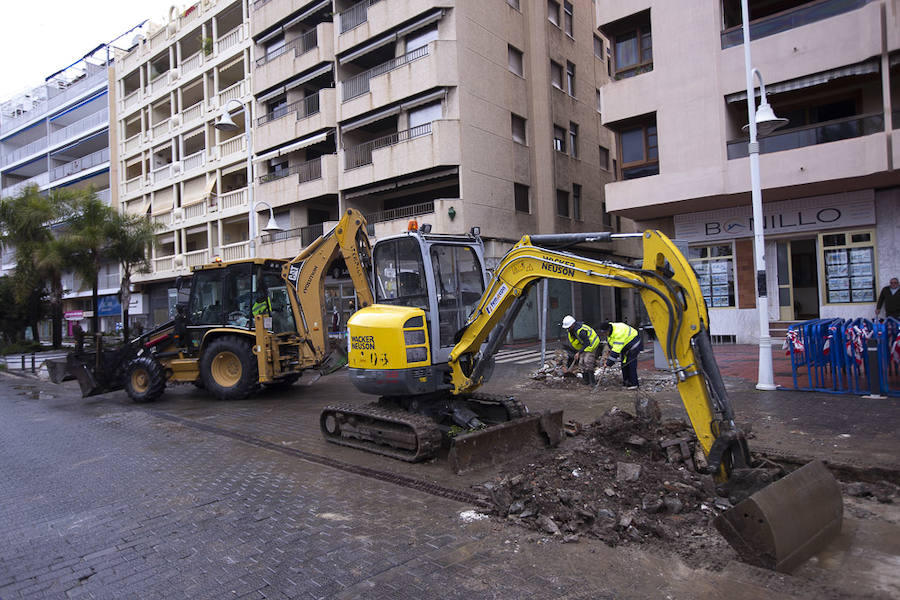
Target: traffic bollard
[32, 363]
[23, 362]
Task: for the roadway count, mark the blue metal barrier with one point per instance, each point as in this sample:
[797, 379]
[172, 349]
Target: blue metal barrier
[828, 365]
[886, 333]
[852, 364]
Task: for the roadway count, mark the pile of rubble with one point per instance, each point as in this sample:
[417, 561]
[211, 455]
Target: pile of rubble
[623, 480]
[557, 372]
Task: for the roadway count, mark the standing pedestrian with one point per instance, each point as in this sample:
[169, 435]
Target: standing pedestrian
[625, 343]
[889, 298]
[586, 343]
[78, 332]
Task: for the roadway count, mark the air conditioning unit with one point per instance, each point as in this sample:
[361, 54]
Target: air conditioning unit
[174, 74]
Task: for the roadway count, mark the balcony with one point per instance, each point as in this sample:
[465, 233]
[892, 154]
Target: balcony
[288, 243]
[417, 149]
[196, 258]
[264, 13]
[132, 144]
[194, 211]
[370, 18]
[159, 130]
[811, 135]
[235, 251]
[191, 63]
[72, 92]
[233, 202]
[166, 219]
[422, 69]
[233, 92]
[790, 19]
[97, 120]
[39, 180]
[131, 100]
[194, 161]
[312, 179]
[235, 145]
[79, 165]
[297, 120]
[163, 264]
[296, 56]
[25, 151]
[395, 220]
[191, 114]
[163, 173]
[231, 39]
[133, 185]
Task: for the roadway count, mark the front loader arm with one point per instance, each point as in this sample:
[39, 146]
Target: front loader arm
[307, 271]
[668, 288]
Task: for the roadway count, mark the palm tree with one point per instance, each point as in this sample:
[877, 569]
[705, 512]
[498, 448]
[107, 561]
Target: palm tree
[130, 237]
[25, 223]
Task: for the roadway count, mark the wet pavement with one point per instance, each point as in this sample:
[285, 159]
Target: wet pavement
[188, 497]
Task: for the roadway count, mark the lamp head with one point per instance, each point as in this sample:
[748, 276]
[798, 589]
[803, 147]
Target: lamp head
[272, 226]
[226, 123]
[766, 121]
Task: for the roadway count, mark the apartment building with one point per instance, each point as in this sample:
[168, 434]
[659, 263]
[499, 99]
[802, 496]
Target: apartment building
[831, 202]
[456, 114]
[173, 164]
[54, 136]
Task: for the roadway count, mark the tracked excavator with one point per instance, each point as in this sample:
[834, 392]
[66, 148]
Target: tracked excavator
[426, 346]
[240, 325]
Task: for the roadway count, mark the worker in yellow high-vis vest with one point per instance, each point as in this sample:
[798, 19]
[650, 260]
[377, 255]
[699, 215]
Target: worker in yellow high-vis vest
[586, 343]
[625, 343]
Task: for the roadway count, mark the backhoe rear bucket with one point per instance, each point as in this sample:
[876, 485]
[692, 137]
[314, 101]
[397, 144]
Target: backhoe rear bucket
[496, 443]
[786, 522]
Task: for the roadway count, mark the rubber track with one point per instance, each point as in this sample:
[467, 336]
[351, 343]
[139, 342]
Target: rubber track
[428, 435]
[401, 480]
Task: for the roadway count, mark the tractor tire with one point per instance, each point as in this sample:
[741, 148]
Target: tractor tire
[144, 379]
[229, 369]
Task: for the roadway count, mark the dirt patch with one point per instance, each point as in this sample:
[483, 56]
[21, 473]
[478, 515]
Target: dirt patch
[555, 373]
[620, 479]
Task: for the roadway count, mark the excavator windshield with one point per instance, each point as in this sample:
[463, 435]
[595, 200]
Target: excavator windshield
[459, 282]
[400, 273]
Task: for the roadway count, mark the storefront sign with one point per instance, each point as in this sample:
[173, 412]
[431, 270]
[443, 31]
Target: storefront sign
[138, 304]
[74, 315]
[835, 211]
[109, 306]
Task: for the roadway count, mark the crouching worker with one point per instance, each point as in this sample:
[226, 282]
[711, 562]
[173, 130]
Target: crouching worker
[625, 343]
[586, 343]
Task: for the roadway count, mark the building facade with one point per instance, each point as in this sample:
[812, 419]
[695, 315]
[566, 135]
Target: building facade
[57, 136]
[831, 189]
[454, 113]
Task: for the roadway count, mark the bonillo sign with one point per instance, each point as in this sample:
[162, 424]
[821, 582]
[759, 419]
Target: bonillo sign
[836, 211]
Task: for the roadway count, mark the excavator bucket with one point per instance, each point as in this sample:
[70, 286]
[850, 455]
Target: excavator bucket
[498, 442]
[786, 522]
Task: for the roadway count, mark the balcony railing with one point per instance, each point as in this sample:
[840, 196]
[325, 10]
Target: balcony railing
[235, 251]
[89, 122]
[279, 236]
[300, 45]
[105, 196]
[38, 180]
[358, 156]
[193, 211]
[235, 144]
[311, 233]
[131, 99]
[229, 39]
[359, 84]
[132, 143]
[233, 199]
[73, 91]
[195, 258]
[192, 62]
[161, 173]
[166, 263]
[790, 19]
[304, 108]
[159, 82]
[165, 219]
[257, 4]
[160, 128]
[194, 161]
[231, 93]
[404, 212]
[134, 184]
[26, 150]
[356, 15]
[81, 164]
[811, 135]
[308, 171]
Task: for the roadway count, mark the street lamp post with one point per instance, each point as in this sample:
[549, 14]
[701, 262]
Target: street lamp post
[226, 123]
[767, 121]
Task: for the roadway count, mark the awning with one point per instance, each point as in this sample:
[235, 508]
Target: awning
[303, 143]
[377, 116]
[392, 37]
[238, 166]
[300, 80]
[863, 68]
[163, 204]
[207, 192]
[270, 94]
[438, 95]
[402, 183]
[302, 16]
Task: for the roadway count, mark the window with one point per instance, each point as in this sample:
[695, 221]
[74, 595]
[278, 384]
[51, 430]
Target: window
[515, 60]
[570, 78]
[559, 139]
[604, 158]
[277, 165]
[555, 74]
[518, 129]
[599, 101]
[567, 18]
[638, 150]
[421, 38]
[521, 195]
[513, 3]
[714, 266]
[562, 203]
[274, 48]
[573, 140]
[848, 263]
[632, 45]
[424, 114]
[400, 273]
[553, 11]
[576, 201]
[598, 48]
[607, 218]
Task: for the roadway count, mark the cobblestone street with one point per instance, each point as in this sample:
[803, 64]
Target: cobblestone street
[191, 498]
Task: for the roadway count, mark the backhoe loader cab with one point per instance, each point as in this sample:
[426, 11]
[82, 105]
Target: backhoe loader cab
[426, 285]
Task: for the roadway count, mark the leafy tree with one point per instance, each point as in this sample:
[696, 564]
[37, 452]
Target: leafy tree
[130, 237]
[25, 223]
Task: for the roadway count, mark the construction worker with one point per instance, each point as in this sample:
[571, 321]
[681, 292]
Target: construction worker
[262, 306]
[625, 343]
[586, 343]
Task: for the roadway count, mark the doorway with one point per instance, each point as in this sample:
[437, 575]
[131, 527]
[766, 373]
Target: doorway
[798, 280]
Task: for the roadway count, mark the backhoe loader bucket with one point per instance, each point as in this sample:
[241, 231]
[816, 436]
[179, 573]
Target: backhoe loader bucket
[497, 443]
[786, 522]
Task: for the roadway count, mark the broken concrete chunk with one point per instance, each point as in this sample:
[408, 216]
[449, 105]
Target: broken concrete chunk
[548, 525]
[570, 539]
[652, 503]
[637, 441]
[673, 504]
[628, 471]
[516, 507]
[858, 489]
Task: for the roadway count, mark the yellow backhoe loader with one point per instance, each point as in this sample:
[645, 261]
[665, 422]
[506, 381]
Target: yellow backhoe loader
[426, 346]
[239, 325]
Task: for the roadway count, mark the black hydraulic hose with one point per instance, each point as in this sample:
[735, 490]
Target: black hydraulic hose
[707, 363]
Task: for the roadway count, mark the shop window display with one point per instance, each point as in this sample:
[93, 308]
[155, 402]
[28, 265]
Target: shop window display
[714, 266]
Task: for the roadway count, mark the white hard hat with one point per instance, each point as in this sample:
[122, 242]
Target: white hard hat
[568, 321]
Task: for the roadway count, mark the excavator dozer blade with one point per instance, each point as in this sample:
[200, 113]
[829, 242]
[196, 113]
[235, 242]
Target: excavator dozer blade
[788, 521]
[497, 443]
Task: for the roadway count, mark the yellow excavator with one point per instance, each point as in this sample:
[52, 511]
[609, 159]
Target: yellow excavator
[239, 325]
[427, 343]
